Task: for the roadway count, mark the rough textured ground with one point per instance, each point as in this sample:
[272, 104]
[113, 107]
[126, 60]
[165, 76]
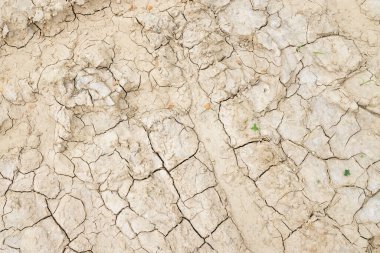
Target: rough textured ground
[190, 126]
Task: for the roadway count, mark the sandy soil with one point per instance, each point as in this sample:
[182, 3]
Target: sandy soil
[190, 126]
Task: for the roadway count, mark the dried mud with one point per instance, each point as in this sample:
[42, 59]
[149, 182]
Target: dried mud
[190, 126]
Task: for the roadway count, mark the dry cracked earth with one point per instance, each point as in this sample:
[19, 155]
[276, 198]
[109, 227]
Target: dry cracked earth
[190, 126]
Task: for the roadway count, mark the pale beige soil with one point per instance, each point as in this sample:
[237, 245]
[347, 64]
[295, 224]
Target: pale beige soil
[190, 126]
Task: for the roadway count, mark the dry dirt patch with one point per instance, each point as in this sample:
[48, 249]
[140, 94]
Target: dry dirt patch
[190, 126]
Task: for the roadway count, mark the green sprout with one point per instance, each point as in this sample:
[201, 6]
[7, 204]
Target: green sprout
[318, 181]
[255, 128]
[346, 173]
[317, 53]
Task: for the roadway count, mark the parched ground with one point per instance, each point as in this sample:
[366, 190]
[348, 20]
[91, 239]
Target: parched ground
[132, 126]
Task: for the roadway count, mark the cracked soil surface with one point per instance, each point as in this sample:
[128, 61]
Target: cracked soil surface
[230, 126]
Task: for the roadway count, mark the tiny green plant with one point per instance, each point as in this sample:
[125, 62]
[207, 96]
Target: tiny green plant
[346, 173]
[255, 128]
[317, 53]
[318, 181]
